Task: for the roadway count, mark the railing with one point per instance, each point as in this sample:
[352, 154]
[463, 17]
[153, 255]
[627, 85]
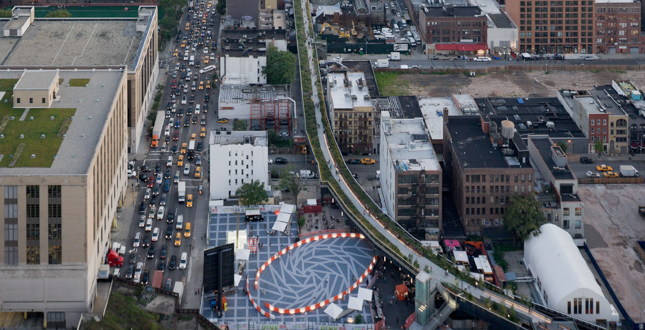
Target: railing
[634, 180]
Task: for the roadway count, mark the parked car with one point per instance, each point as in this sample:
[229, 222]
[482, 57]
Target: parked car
[368, 161]
[280, 160]
[353, 161]
[586, 160]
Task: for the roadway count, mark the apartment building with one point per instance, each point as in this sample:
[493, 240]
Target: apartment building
[487, 166]
[600, 116]
[554, 26]
[237, 158]
[60, 202]
[564, 208]
[410, 176]
[97, 43]
[618, 27]
[454, 30]
[350, 107]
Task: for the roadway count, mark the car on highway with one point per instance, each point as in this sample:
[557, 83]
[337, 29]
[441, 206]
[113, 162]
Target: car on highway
[604, 168]
[183, 261]
[161, 212]
[353, 161]
[155, 234]
[171, 217]
[148, 225]
[180, 160]
[162, 202]
[177, 123]
[198, 172]
[137, 272]
[164, 251]
[133, 259]
[178, 239]
[198, 160]
[169, 232]
[189, 200]
[144, 169]
[187, 230]
[368, 161]
[187, 169]
[610, 174]
[146, 240]
[145, 277]
[193, 136]
[137, 240]
[586, 160]
[482, 59]
[159, 178]
[280, 160]
[130, 272]
[175, 136]
[592, 174]
[147, 194]
[142, 221]
[151, 251]
[202, 132]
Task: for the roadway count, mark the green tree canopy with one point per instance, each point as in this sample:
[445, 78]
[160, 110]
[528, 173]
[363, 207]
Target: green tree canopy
[61, 13]
[221, 7]
[289, 179]
[280, 68]
[240, 125]
[252, 193]
[598, 146]
[563, 146]
[5, 13]
[523, 216]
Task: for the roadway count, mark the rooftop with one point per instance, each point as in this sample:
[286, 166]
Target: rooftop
[366, 68]
[409, 106]
[245, 93]
[36, 80]
[409, 144]
[347, 90]
[72, 153]
[248, 10]
[243, 42]
[474, 149]
[537, 111]
[544, 147]
[257, 138]
[467, 11]
[433, 112]
[73, 42]
[501, 21]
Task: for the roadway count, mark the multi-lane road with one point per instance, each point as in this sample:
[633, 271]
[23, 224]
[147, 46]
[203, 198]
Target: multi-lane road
[184, 131]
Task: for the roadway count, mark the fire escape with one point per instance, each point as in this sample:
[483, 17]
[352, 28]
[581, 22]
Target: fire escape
[256, 112]
[284, 113]
[419, 189]
[269, 113]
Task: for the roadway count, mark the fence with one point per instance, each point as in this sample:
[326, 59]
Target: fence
[528, 67]
[611, 180]
[620, 307]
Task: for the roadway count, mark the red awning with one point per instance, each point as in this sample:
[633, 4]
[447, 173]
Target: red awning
[462, 47]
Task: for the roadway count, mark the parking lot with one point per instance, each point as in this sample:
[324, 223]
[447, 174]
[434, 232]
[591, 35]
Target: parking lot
[612, 226]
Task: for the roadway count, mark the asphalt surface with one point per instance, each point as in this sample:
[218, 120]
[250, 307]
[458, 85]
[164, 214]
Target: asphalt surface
[155, 156]
[580, 170]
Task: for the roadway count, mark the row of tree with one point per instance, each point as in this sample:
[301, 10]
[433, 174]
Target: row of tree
[254, 193]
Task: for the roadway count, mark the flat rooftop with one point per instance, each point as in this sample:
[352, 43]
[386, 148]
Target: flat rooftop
[473, 147]
[633, 108]
[246, 93]
[348, 90]
[90, 106]
[543, 146]
[72, 42]
[245, 42]
[432, 109]
[409, 145]
[257, 138]
[536, 110]
[607, 102]
[501, 21]
[366, 68]
[439, 12]
[36, 80]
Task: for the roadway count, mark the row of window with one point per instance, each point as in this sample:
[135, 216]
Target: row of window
[415, 201]
[566, 211]
[555, 3]
[492, 190]
[31, 100]
[428, 178]
[482, 211]
[352, 123]
[485, 222]
[476, 178]
[351, 115]
[353, 132]
[577, 306]
[413, 190]
[421, 212]
[560, 15]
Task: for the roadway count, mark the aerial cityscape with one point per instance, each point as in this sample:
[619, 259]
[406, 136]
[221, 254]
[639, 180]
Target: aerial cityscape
[322, 164]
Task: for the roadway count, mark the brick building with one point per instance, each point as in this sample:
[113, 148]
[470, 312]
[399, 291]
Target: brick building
[618, 27]
[550, 27]
[454, 30]
[487, 166]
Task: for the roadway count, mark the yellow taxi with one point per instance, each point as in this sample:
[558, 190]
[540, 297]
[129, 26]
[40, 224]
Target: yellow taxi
[189, 200]
[183, 44]
[187, 230]
[193, 137]
[368, 161]
[180, 160]
[604, 168]
[610, 174]
[184, 146]
[202, 133]
[205, 60]
[198, 172]
[222, 121]
[208, 84]
[187, 27]
[201, 85]
[176, 52]
[178, 239]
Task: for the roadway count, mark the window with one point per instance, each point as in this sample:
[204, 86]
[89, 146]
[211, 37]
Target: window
[55, 257]
[597, 307]
[18, 100]
[33, 231]
[565, 211]
[33, 210]
[10, 231]
[54, 191]
[54, 231]
[43, 100]
[578, 211]
[54, 211]
[33, 255]
[578, 224]
[592, 121]
[568, 307]
[33, 191]
[31, 100]
[11, 253]
[565, 224]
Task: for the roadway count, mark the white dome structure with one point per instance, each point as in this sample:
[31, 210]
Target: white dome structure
[562, 277]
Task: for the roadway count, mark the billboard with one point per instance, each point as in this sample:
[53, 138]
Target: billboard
[212, 271]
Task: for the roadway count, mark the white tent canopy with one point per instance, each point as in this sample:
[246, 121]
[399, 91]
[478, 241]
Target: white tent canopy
[334, 311]
[284, 217]
[243, 254]
[365, 294]
[287, 208]
[279, 226]
[461, 256]
[237, 279]
[355, 304]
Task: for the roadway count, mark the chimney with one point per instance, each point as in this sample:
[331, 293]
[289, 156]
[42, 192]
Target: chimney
[445, 115]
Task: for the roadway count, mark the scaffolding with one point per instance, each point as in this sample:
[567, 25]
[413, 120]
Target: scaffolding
[284, 113]
[269, 113]
[256, 112]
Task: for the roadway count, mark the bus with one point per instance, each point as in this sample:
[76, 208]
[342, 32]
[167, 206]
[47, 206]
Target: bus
[253, 215]
[191, 150]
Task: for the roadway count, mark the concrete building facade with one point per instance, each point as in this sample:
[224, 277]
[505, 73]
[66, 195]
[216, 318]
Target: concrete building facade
[487, 169]
[550, 27]
[350, 107]
[57, 218]
[410, 176]
[238, 158]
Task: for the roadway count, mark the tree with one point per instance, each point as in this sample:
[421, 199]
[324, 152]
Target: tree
[563, 146]
[290, 180]
[5, 13]
[221, 7]
[61, 13]
[252, 193]
[280, 68]
[523, 216]
[240, 125]
[598, 146]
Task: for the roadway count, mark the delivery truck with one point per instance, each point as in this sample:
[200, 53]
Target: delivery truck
[395, 56]
[384, 63]
[628, 171]
[182, 191]
[157, 129]
[307, 174]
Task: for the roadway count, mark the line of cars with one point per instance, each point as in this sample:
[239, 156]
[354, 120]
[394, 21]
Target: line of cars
[608, 172]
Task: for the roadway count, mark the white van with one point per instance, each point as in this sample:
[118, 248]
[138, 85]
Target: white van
[192, 60]
[163, 147]
[186, 56]
[183, 261]
[169, 162]
[179, 225]
[396, 28]
[137, 239]
[197, 108]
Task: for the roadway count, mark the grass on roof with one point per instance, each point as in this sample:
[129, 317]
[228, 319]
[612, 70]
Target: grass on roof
[80, 82]
[43, 148]
[7, 84]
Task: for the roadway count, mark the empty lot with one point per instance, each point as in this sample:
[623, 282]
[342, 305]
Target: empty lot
[612, 211]
[512, 84]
